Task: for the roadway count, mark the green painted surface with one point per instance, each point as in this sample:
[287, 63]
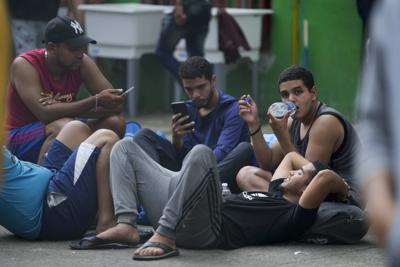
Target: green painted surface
[335, 33]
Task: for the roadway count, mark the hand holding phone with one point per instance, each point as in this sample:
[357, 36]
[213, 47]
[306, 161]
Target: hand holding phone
[180, 107]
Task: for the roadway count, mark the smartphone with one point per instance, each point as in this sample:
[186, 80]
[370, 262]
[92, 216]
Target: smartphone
[127, 90]
[180, 107]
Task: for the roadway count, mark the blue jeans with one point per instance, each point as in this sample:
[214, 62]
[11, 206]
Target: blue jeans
[171, 33]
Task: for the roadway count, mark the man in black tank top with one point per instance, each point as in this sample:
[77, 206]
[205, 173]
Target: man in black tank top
[316, 131]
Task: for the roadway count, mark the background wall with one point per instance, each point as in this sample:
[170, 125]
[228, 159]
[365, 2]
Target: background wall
[335, 33]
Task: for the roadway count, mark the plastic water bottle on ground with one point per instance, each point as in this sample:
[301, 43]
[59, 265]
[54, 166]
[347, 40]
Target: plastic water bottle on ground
[279, 109]
[225, 190]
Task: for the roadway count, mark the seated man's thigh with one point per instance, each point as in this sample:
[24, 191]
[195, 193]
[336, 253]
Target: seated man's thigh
[72, 197]
[26, 142]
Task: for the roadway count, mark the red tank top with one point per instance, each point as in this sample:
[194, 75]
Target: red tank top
[67, 86]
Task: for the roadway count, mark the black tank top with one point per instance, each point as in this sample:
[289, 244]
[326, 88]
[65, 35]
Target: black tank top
[341, 160]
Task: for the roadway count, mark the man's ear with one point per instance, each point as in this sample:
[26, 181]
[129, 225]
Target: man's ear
[51, 46]
[314, 93]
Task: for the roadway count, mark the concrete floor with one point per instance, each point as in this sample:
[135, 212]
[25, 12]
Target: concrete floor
[15, 252]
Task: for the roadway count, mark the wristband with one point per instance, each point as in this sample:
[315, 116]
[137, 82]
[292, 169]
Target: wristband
[256, 131]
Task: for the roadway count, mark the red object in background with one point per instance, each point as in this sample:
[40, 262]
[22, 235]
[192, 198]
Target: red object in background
[230, 37]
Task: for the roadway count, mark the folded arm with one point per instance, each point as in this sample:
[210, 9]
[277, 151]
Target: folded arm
[324, 183]
[26, 81]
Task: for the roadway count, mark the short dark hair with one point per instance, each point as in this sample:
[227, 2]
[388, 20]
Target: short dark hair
[196, 67]
[63, 29]
[295, 72]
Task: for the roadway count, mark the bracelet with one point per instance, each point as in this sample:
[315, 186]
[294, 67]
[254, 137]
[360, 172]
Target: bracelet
[256, 131]
[96, 103]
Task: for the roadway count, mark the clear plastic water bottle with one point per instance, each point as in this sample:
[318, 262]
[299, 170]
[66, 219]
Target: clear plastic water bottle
[225, 190]
[279, 109]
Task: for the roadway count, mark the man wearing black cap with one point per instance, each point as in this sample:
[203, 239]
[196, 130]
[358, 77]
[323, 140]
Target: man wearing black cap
[44, 84]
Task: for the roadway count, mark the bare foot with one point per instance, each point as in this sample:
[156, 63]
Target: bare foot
[121, 232]
[153, 250]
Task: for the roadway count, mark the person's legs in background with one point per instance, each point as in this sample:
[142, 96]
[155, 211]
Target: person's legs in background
[27, 34]
[170, 35]
[195, 40]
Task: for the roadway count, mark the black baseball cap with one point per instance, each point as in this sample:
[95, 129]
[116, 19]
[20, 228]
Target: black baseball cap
[63, 29]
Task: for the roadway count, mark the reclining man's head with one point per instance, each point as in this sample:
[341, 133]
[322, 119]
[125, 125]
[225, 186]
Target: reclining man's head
[298, 180]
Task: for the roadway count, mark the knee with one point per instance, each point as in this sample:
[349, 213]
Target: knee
[75, 129]
[54, 127]
[144, 132]
[245, 148]
[202, 154]
[120, 149]
[108, 136]
[242, 176]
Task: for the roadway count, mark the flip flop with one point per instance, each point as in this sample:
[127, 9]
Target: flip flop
[168, 252]
[94, 242]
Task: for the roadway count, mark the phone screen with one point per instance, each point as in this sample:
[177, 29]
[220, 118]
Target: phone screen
[179, 107]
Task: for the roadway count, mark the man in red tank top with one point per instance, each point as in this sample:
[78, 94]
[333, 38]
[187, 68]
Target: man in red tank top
[43, 87]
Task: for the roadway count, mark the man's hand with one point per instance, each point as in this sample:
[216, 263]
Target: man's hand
[49, 98]
[180, 16]
[110, 98]
[278, 125]
[181, 126]
[248, 111]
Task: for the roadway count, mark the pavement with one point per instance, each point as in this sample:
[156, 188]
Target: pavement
[15, 252]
